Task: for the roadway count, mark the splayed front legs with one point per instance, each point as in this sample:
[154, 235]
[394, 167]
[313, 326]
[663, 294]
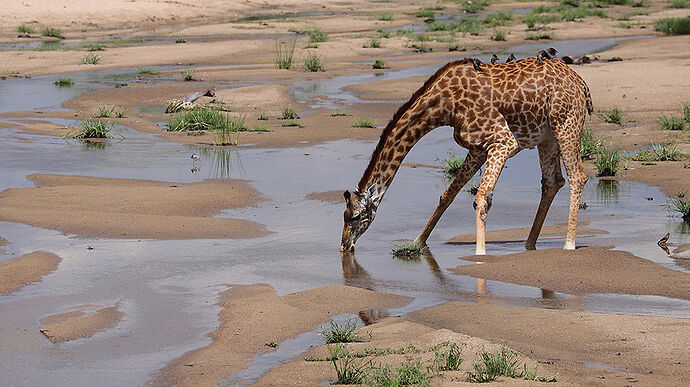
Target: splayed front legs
[470, 166]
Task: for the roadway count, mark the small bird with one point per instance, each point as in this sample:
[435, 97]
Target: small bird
[477, 65]
[195, 170]
[662, 241]
[194, 157]
[510, 58]
[494, 59]
[549, 53]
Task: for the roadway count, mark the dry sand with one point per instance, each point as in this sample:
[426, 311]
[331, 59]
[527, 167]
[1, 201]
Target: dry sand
[585, 270]
[557, 231]
[254, 315]
[19, 272]
[128, 208]
[651, 350]
[78, 324]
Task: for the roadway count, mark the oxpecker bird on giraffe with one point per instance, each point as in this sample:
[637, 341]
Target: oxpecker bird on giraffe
[495, 110]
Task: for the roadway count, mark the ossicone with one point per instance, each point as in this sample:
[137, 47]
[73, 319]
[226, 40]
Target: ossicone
[346, 194]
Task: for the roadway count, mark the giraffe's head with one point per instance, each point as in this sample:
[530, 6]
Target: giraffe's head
[360, 210]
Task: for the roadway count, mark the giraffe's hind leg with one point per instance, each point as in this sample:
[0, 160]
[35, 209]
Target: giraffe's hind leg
[470, 166]
[498, 153]
[568, 135]
[551, 182]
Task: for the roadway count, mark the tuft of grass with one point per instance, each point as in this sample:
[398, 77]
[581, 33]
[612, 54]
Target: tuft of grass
[531, 20]
[180, 39]
[673, 26]
[673, 122]
[492, 365]
[272, 344]
[379, 64]
[470, 25]
[499, 35]
[452, 165]
[427, 14]
[590, 145]
[338, 350]
[374, 42]
[105, 111]
[686, 112]
[24, 29]
[612, 116]
[674, 4]
[148, 71]
[363, 123]
[188, 75]
[91, 59]
[661, 152]
[312, 62]
[64, 82]
[283, 54]
[339, 113]
[336, 333]
[289, 113]
[499, 18]
[408, 374]
[386, 16]
[259, 128]
[292, 123]
[447, 357]
[350, 371]
[608, 162]
[203, 118]
[94, 47]
[681, 206]
[94, 129]
[52, 32]
[410, 249]
[316, 35]
[473, 6]
[539, 36]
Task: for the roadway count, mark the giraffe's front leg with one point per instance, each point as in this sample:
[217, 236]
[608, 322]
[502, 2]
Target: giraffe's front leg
[497, 156]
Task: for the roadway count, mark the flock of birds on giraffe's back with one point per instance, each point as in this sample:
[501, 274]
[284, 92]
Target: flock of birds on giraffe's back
[548, 54]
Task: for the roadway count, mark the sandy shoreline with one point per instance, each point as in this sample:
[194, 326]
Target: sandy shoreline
[78, 324]
[556, 231]
[21, 271]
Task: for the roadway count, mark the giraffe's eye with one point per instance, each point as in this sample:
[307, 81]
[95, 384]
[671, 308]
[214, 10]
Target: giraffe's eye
[356, 216]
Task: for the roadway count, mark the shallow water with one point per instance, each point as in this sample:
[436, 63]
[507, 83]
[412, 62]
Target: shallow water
[168, 289]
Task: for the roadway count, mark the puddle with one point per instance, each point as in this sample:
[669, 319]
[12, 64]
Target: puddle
[170, 287]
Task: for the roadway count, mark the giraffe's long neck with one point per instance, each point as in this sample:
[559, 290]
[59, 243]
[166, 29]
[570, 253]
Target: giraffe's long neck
[415, 119]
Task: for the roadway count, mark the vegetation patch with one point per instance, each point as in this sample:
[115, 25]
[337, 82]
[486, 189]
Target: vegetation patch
[611, 116]
[203, 118]
[312, 62]
[673, 26]
[180, 39]
[447, 357]
[408, 374]
[452, 165]
[608, 162]
[379, 64]
[93, 129]
[590, 144]
[316, 35]
[289, 113]
[64, 82]
[292, 123]
[673, 122]
[681, 206]
[473, 6]
[505, 363]
[91, 59]
[24, 29]
[363, 123]
[374, 42]
[539, 36]
[410, 249]
[337, 333]
[386, 16]
[661, 152]
[499, 35]
[339, 113]
[94, 47]
[283, 54]
[52, 32]
[148, 71]
[108, 111]
[674, 4]
[188, 76]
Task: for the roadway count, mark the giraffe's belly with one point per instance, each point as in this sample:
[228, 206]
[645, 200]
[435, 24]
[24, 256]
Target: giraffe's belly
[528, 131]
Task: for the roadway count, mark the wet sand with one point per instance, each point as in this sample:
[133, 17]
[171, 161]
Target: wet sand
[19, 272]
[582, 346]
[78, 324]
[131, 209]
[3, 242]
[254, 315]
[335, 196]
[557, 231]
[585, 270]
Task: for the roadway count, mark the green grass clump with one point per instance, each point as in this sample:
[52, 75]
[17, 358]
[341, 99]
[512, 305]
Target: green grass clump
[91, 59]
[572, 14]
[24, 29]
[283, 54]
[470, 25]
[64, 82]
[289, 113]
[452, 165]
[94, 47]
[188, 75]
[427, 14]
[336, 333]
[447, 357]
[492, 365]
[674, 4]
[105, 111]
[272, 344]
[410, 249]
[672, 122]
[203, 118]
[94, 129]
[259, 128]
[612, 116]
[533, 19]
[408, 374]
[386, 16]
[148, 71]
[312, 62]
[440, 26]
[499, 36]
[661, 152]
[374, 42]
[496, 19]
[673, 26]
[316, 35]
[682, 206]
[52, 32]
[339, 113]
[350, 371]
[590, 145]
[473, 6]
[686, 112]
[180, 39]
[379, 64]
[292, 123]
[539, 36]
[363, 123]
[608, 162]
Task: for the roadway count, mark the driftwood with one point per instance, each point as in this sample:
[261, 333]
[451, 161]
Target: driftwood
[176, 105]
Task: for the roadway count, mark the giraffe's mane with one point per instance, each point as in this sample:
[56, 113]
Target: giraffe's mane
[396, 117]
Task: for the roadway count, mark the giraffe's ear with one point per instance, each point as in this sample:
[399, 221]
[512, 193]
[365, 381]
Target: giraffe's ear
[346, 194]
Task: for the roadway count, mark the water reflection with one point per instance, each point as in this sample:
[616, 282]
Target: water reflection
[89, 146]
[222, 161]
[608, 191]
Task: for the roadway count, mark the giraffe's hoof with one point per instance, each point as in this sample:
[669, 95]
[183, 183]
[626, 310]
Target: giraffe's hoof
[569, 246]
[480, 252]
[530, 247]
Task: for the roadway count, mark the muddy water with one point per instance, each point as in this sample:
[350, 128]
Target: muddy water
[168, 289]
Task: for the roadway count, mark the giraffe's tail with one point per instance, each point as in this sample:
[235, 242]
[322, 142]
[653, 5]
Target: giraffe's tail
[588, 99]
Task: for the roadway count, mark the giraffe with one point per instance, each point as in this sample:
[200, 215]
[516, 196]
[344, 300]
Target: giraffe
[496, 111]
